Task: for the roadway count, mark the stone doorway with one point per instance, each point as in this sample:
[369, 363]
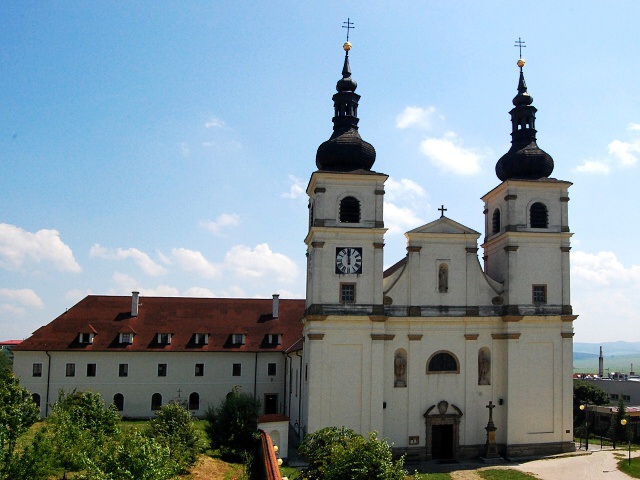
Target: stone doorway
[443, 431]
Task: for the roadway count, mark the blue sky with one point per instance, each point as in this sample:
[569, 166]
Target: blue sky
[165, 146]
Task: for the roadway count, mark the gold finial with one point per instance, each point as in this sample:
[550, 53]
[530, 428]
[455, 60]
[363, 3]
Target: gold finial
[346, 46]
[521, 62]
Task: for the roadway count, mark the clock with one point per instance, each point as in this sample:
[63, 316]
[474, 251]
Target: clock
[348, 260]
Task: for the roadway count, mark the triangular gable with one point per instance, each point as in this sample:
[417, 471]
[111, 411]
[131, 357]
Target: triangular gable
[444, 225]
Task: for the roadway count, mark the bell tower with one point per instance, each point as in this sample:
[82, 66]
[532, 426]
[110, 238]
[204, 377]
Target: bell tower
[527, 237]
[346, 228]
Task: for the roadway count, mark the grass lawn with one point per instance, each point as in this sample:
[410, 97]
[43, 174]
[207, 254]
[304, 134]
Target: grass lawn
[504, 474]
[633, 470]
[430, 476]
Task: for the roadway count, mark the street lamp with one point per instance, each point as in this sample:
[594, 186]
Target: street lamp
[586, 427]
[624, 422]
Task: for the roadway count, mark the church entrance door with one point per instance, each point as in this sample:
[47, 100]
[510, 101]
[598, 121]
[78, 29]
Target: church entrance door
[442, 442]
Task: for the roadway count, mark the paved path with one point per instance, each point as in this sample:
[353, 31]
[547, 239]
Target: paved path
[597, 465]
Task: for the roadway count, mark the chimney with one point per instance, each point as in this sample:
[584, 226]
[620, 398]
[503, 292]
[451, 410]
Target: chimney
[134, 304]
[276, 302]
[601, 364]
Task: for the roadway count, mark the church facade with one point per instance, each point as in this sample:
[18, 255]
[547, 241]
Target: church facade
[424, 351]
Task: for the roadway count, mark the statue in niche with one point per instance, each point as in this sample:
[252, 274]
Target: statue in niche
[484, 367]
[443, 278]
[400, 370]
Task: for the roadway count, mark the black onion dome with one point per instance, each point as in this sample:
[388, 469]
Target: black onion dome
[524, 160]
[345, 151]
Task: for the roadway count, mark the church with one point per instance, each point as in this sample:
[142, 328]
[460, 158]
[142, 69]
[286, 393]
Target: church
[429, 352]
[419, 351]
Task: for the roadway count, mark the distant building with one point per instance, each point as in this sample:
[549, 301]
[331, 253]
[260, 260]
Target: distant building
[8, 345]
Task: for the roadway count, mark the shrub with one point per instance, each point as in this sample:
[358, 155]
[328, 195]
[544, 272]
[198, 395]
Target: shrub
[337, 453]
[232, 427]
[173, 428]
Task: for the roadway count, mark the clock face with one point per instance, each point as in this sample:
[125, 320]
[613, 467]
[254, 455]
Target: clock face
[348, 260]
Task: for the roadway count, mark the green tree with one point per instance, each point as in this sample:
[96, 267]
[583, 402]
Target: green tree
[18, 412]
[173, 428]
[79, 426]
[132, 456]
[337, 453]
[6, 364]
[232, 427]
[586, 393]
[617, 431]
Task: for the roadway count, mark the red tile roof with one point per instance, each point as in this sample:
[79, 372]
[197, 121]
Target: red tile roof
[11, 342]
[108, 316]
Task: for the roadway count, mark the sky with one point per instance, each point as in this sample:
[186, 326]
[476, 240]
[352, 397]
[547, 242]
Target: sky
[166, 146]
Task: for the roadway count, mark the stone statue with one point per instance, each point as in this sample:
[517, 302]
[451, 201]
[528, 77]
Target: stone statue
[400, 370]
[484, 367]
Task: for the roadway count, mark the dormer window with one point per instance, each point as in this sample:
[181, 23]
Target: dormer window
[126, 338]
[273, 339]
[164, 338]
[238, 338]
[85, 338]
[201, 338]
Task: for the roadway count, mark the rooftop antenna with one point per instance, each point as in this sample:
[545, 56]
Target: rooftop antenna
[348, 25]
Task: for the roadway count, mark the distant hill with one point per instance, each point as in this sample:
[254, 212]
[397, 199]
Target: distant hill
[608, 348]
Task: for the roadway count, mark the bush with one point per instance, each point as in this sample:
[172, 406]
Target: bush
[173, 428]
[338, 453]
[232, 427]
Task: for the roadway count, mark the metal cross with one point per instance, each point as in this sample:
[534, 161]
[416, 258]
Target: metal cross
[491, 406]
[442, 210]
[179, 392]
[348, 25]
[520, 44]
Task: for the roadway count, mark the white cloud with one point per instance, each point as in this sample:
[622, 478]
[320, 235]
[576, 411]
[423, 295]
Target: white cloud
[297, 189]
[416, 116]
[260, 262]
[401, 189]
[603, 293]
[215, 123]
[634, 127]
[195, 262]
[125, 284]
[18, 247]
[223, 221]
[448, 154]
[140, 258]
[76, 295]
[400, 219]
[23, 296]
[184, 148]
[624, 152]
[199, 292]
[594, 166]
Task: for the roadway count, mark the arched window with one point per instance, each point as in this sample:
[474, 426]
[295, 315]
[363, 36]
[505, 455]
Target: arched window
[484, 366]
[36, 399]
[156, 401]
[350, 210]
[400, 368]
[443, 278]
[495, 221]
[538, 217]
[194, 401]
[443, 362]
[118, 401]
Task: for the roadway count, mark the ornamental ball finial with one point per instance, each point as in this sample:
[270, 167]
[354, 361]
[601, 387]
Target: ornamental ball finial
[521, 62]
[346, 46]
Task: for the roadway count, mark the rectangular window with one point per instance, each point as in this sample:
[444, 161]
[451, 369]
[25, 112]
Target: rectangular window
[201, 338]
[237, 370]
[164, 338]
[126, 338]
[71, 370]
[37, 369]
[614, 396]
[238, 339]
[91, 369]
[162, 369]
[123, 370]
[273, 339]
[199, 369]
[85, 338]
[539, 294]
[626, 398]
[347, 293]
[271, 369]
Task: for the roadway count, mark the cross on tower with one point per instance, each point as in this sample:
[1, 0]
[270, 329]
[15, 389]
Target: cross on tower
[442, 210]
[348, 25]
[179, 392]
[491, 406]
[520, 44]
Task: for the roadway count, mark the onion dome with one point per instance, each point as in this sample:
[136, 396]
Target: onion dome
[524, 160]
[345, 151]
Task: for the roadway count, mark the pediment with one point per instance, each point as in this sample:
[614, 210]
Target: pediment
[444, 225]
